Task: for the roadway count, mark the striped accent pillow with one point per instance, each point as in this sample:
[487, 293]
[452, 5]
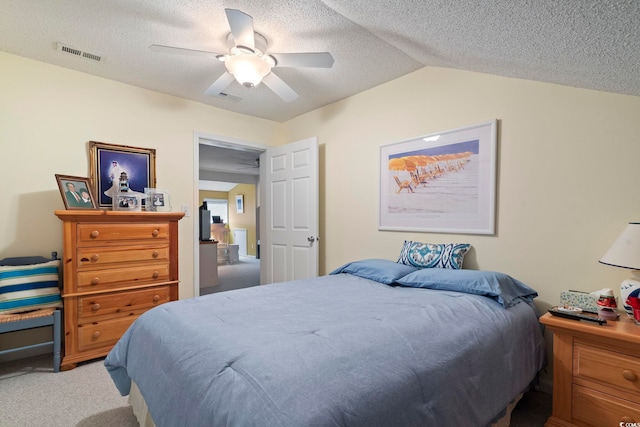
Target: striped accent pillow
[29, 287]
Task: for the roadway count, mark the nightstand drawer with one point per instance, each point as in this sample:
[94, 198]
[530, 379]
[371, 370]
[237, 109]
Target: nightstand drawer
[110, 279]
[611, 368]
[91, 257]
[88, 233]
[121, 303]
[594, 408]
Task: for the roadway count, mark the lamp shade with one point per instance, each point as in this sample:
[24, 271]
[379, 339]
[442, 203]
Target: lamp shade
[625, 251]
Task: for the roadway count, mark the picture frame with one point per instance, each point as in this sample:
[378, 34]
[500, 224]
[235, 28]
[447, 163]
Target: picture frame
[127, 201]
[443, 182]
[240, 203]
[76, 192]
[108, 161]
[157, 200]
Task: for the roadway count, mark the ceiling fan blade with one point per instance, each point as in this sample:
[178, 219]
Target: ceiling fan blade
[181, 51]
[281, 89]
[219, 85]
[241, 26]
[310, 59]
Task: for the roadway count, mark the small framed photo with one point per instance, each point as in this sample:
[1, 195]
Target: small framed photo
[240, 203]
[76, 192]
[157, 200]
[124, 201]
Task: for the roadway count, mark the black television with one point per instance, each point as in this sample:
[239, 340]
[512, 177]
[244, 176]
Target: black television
[205, 224]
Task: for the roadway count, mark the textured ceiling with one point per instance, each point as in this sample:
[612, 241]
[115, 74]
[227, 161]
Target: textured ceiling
[591, 44]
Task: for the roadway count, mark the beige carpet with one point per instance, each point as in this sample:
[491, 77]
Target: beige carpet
[242, 274]
[32, 395]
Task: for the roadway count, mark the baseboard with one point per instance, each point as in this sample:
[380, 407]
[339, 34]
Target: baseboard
[24, 354]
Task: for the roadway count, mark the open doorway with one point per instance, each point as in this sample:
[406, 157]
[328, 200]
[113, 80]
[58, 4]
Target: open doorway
[229, 170]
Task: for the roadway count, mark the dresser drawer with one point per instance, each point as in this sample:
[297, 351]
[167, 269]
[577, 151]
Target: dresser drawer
[611, 368]
[91, 257]
[95, 232]
[109, 279]
[121, 303]
[102, 334]
[593, 408]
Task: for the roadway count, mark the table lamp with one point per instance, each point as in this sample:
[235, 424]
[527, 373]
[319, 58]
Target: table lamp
[625, 253]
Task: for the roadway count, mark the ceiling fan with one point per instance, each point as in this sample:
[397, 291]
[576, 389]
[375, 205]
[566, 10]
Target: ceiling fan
[254, 165]
[247, 61]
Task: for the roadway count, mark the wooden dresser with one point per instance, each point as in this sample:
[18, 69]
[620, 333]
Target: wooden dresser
[116, 266]
[596, 372]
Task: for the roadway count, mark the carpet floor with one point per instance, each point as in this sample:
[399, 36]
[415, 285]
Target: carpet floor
[32, 395]
[242, 274]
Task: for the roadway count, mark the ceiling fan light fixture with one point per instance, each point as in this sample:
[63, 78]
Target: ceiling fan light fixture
[239, 49]
[248, 70]
[270, 60]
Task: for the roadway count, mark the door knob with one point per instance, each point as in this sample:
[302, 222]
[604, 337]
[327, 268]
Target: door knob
[311, 239]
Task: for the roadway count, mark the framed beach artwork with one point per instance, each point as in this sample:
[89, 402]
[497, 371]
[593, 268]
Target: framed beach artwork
[117, 168]
[444, 182]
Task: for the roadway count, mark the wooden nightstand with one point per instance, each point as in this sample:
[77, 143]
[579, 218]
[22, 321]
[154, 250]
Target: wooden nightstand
[596, 372]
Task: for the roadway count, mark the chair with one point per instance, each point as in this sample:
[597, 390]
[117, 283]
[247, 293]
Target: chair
[402, 185]
[34, 318]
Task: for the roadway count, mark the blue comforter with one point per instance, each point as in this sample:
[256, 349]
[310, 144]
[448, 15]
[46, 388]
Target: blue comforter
[337, 350]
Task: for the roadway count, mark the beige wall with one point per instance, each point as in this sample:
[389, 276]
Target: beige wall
[47, 116]
[567, 180]
[566, 163]
[245, 220]
[567, 173]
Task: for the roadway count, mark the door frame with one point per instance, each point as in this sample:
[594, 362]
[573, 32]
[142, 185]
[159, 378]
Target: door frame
[216, 141]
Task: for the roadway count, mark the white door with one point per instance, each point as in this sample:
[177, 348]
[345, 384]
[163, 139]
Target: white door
[289, 212]
[240, 239]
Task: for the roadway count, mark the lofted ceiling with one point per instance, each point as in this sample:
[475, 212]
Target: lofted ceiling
[591, 44]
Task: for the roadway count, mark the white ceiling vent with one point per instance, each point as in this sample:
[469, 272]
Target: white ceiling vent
[227, 96]
[73, 51]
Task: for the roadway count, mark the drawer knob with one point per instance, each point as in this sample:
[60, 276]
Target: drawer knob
[95, 257]
[155, 233]
[95, 280]
[156, 298]
[94, 234]
[156, 274]
[155, 254]
[629, 375]
[95, 307]
[96, 334]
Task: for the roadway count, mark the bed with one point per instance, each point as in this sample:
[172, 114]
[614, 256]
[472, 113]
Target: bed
[374, 343]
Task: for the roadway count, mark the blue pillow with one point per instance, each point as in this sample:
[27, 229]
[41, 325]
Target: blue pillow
[380, 270]
[499, 286]
[433, 255]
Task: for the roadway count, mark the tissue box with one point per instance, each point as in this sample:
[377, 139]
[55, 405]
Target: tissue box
[583, 300]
